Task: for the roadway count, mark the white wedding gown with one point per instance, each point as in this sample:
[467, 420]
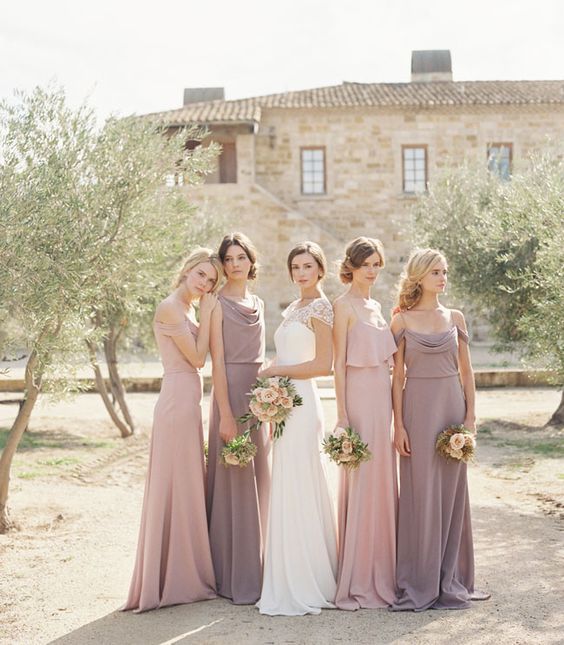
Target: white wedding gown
[300, 561]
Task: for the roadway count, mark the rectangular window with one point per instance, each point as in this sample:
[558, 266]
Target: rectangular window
[500, 156]
[313, 171]
[414, 160]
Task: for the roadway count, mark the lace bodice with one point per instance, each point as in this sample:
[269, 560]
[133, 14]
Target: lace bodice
[319, 308]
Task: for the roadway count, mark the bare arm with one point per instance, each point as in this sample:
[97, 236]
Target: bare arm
[319, 366]
[195, 350]
[227, 423]
[340, 328]
[466, 373]
[401, 439]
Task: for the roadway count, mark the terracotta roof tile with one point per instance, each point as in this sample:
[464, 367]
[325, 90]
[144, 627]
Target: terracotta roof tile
[437, 93]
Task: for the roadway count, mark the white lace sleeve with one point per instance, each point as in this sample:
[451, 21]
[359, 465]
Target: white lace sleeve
[322, 310]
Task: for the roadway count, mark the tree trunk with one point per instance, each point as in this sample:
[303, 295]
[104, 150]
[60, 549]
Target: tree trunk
[557, 419]
[33, 387]
[124, 430]
[118, 391]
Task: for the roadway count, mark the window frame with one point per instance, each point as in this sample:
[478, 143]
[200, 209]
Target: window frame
[500, 145]
[414, 146]
[302, 150]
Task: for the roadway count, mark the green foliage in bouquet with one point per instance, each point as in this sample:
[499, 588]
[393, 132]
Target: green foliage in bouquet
[345, 447]
[239, 451]
[456, 442]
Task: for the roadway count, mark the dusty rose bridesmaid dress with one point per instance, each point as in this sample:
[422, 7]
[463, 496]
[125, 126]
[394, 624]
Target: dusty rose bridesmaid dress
[173, 563]
[435, 565]
[237, 498]
[368, 495]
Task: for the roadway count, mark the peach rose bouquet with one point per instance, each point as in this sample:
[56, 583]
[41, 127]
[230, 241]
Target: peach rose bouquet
[272, 401]
[345, 447]
[239, 451]
[456, 442]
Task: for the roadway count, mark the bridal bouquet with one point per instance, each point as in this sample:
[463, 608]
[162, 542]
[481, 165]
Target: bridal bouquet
[272, 401]
[456, 442]
[239, 451]
[345, 447]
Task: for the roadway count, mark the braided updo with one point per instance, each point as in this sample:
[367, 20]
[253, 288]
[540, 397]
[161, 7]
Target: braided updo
[356, 253]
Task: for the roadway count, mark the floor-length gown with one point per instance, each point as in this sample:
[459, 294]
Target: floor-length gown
[173, 563]
[435, 564]
[301, 554]
[237, 498]
[368, 495]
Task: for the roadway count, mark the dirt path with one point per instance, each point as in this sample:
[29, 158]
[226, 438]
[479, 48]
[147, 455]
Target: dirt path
[77, 492]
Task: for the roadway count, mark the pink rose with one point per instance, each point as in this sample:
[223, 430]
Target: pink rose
[283, 391]
[231, 459]
[339, 432]
[269, 395]
[344, 458]
[347, 446]
[286, 402]
[273, 380]
[258, 394]
[456, 454]
[255, 408]
[272, 411]
[457, 441]
[470, 440]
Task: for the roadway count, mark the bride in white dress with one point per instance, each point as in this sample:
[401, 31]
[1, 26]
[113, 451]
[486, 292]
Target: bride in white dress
[300, 561]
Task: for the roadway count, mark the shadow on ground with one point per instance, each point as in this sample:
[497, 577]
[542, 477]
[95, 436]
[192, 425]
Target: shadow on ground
[518, 561]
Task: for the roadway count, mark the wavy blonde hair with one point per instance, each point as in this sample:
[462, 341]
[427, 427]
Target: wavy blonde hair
[418, 266]
[198, 256]
[356, 253]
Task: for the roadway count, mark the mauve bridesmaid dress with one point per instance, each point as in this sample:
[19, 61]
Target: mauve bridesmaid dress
[237, 498]
[368, 495]
[435, 565]
[173, 563]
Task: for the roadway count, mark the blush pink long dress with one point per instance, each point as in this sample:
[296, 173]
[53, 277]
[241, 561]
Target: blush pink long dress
[173, 563]
[237, 498]
[367, 506]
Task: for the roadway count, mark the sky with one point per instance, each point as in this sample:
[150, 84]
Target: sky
[126, 56]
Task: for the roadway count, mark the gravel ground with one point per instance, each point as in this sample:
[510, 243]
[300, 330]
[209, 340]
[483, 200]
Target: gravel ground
[77, 490]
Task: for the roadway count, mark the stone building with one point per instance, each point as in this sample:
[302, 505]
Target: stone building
[331, 163]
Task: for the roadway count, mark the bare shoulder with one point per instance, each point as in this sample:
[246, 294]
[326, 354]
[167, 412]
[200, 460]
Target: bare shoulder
[458, 318]
[397, 323]
[342, 305]
[168, 311]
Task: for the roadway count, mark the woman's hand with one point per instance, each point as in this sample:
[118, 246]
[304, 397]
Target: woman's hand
[401, 442]
[207, 304]
[470, 424]
[342, 422]
[227, 429]
[266, 371]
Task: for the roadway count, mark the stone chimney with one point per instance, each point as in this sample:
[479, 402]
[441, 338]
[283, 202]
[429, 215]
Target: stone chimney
[198, 94]
[431, 65]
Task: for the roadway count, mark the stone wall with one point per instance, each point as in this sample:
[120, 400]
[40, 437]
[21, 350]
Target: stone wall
[363, 175]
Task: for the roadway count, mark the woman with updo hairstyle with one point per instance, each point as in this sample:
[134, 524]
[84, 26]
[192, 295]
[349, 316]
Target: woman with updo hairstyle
[173, 563]
[433, 388]
[300, 561]
[367, 501]
[237, 498]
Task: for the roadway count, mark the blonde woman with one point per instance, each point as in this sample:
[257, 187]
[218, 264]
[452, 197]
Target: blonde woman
[433, 387]
[364, 347]
[300, 559]
[173, 563]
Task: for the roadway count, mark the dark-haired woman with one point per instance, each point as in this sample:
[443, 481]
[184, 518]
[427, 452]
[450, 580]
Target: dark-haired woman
[237, 498]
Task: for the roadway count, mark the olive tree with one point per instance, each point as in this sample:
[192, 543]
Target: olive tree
[71, 239]
[505, 244]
